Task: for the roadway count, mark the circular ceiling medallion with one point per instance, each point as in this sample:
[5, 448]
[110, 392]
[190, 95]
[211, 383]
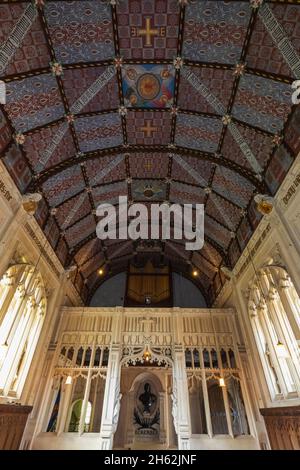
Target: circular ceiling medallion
[148, 86]
[148, 192]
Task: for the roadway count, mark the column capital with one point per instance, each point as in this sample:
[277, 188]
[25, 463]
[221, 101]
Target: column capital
[178, 348]
[116, 347]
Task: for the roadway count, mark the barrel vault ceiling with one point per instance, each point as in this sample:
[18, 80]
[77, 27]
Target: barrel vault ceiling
[165, 100]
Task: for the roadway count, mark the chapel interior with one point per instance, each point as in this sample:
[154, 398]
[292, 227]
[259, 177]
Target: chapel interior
[141, 343]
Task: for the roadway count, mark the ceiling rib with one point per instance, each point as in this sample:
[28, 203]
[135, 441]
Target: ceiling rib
[43, 176]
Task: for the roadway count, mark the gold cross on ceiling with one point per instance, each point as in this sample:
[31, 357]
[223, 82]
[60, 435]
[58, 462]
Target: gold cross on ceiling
[148, 32]
[148, 129]
[148, 166]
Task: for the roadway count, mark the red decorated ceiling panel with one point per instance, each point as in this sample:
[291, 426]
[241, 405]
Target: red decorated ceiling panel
[165, 100]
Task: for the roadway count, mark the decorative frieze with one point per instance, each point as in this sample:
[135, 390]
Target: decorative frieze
[42, 249]
[5, 191]
[291, 192]
[253, 251]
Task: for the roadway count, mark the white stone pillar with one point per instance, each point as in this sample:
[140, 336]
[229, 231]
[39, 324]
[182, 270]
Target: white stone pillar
[251, 349]
[162, 406]
[85, 401]
[129, 437]
[63, 411]
[243, 381]
[32, 392]
[224, 389]
[16, 347]
[205, 397]
[86, 393]
[285, 336]
[227, 411]
[112, 398]
[256, 383]
[283, 325]
[288, 246]
[289, 306]
[39, 389]
[181, 408]
[267, 328]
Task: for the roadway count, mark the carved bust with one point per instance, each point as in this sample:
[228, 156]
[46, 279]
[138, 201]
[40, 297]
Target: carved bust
[147, 398]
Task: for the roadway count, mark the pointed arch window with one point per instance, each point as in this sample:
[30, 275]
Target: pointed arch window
[274, 312]
[22, 311]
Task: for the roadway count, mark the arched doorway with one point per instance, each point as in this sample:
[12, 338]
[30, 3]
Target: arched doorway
[76, 414]
[145, 420]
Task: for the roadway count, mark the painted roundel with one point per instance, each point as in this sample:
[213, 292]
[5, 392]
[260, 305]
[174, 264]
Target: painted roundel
[148, 86]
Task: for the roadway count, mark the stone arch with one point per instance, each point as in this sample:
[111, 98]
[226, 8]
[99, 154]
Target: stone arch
[143, 377]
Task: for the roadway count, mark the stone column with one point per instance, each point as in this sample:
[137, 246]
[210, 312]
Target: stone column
[251, 349]
[288, 246]
[86, 393]
[243, 383]
[112, 398]
[227, 411]
[256, 383]
[112, 395]
[205, 397]
[129, 413]
[267, 328]
[224, 389]
[283, 325]
[32, 391]
[63, 411]
[40, 385]
[180, 396]
[284, 286]
[162, 405]
[19, 337]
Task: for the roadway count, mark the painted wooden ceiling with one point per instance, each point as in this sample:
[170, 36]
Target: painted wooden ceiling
[106, 98]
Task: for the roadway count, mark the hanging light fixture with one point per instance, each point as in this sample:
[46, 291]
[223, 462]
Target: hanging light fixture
[222, 382]
[69, 380]
[147, 355]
